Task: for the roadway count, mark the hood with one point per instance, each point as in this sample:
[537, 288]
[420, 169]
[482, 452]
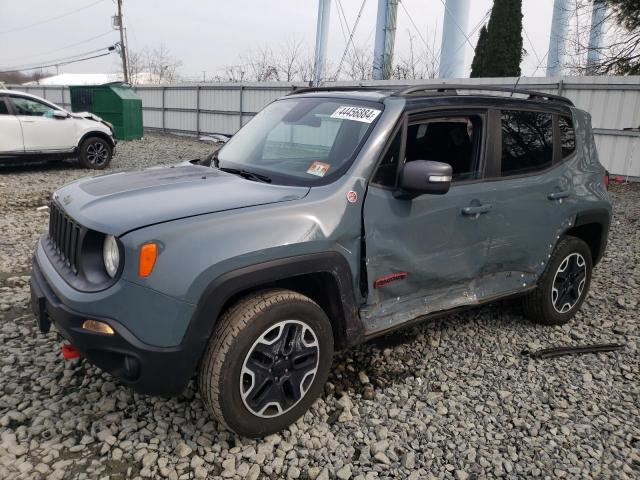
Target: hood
[87, 115]
[122, 202]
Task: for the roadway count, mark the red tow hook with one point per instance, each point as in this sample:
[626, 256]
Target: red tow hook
[70, 352]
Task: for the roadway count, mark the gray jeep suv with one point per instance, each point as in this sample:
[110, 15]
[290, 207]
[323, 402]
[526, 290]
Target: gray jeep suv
[335, 215]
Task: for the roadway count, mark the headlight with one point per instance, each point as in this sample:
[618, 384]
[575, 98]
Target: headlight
[111, 255]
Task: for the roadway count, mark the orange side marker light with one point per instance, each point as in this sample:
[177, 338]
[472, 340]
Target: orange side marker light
[148, 255]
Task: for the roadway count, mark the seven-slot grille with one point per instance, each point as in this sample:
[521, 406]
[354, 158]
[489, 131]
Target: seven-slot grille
[65, 236]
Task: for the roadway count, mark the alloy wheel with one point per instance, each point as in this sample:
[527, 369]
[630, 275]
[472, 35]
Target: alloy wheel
[568, 283]
[97, 153]
[279, 368]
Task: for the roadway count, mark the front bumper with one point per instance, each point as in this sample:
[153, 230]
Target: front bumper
[147, 369]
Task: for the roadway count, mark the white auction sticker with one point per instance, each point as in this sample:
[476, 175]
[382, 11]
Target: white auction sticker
[359, 114]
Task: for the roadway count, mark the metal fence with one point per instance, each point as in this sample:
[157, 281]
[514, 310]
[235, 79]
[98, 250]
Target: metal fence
[614, 103]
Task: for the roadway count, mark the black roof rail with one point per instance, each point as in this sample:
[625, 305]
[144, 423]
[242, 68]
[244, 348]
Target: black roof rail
[341, 88]
[445, 88]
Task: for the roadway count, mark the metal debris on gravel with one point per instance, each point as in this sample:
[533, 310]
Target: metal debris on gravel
[448, 399]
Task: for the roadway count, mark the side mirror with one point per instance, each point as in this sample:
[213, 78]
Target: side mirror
[423, 176]
[59, 114]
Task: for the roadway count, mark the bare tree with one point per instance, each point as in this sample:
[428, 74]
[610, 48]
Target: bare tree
[358, 63]
[19, 78]
[620, 50]
[288, 61]
[415, 64]
[135, 67]
[305, 67]
[161, 65]
[262, 65]
[153, 65]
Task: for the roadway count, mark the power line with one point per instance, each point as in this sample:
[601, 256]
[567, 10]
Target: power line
[59, 64]
[447, 12]
[471, 33]
[61, 59]
[341, 18]
[416, 28]
[531, 43]
[350, 41]
[61, 48]
[474, 30]
[42, 22]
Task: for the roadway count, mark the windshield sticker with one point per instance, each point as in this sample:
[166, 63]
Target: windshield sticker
[359, 114]
[318, 168]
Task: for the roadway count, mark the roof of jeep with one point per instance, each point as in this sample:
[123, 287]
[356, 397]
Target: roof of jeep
[433, 92]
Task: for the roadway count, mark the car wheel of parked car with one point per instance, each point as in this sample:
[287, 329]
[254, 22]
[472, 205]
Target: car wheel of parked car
[95, 153]
[267, 361]
[563, 285]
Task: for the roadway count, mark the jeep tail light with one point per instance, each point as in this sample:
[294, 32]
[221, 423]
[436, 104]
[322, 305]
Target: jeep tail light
[148, 255]
[606, 180]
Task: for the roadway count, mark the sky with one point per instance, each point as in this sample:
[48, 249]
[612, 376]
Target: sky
[207, 35]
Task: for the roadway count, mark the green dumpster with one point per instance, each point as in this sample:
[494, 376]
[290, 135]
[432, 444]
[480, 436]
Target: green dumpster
[116, 103]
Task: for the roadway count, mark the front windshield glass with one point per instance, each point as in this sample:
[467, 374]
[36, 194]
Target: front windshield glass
[301, 141]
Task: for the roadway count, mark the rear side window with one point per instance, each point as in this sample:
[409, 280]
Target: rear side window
[567, 136]
[527, 142]
[3, 107]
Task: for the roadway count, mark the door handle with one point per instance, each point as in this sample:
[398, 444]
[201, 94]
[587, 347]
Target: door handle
[558, 195]
[28, 121]
[476, 210]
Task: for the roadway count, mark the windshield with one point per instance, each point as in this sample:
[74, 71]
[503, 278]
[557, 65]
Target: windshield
[301, 141]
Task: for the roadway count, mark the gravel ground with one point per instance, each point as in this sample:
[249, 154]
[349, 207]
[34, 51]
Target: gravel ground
[453, 398]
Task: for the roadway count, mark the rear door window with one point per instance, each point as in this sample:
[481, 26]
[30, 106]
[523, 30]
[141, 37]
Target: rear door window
[527, 142]
[567, 136]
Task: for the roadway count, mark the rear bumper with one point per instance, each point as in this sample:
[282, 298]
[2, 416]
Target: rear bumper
[147, 369]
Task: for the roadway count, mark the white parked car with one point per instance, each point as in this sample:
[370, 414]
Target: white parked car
[32, 128]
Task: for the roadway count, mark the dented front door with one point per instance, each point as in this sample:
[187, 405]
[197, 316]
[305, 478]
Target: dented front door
[422, 255]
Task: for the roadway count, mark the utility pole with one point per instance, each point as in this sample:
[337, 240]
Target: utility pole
[454, 37]
[559, 27]
[322, 33]
[596, 36]
[123, 49]
[385, 39]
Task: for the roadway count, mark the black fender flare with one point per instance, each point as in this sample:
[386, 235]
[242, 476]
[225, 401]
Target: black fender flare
[600, 216]
[219, 291]
[96, 133]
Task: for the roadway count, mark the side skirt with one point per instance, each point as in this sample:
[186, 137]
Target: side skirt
[398, 312]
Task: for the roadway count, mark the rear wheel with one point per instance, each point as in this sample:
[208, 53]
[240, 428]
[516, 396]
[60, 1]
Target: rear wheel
[95, 153]
[564, 284]
[266, 362]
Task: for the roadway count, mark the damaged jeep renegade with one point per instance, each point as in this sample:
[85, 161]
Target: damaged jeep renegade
[335, 215]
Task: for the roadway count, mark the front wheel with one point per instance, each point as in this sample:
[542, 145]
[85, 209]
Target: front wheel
[267, 361]
[95, 153]
[563, 285]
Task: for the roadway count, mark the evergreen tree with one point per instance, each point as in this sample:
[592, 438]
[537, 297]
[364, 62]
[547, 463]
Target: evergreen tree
[499, 53]
[478, 64]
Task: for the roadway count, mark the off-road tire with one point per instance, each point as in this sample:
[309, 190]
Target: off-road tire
[231, 343]
[539, 305]
[91, 153]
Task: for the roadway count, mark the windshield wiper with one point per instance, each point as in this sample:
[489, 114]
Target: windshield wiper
[256, 177]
